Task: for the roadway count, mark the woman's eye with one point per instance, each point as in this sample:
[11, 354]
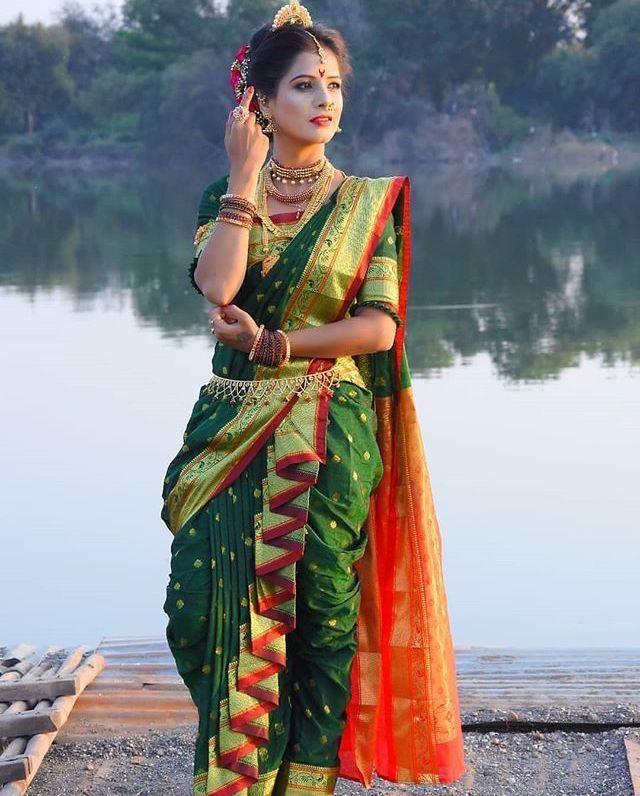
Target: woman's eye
[307, 83]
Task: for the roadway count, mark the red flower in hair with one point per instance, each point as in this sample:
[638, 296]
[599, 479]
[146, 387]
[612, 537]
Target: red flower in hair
[238, 76]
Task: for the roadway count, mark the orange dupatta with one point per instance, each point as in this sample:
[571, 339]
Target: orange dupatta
[403, 717]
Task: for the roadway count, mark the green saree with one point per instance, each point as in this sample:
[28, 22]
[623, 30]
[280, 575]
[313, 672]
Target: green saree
[271, 500]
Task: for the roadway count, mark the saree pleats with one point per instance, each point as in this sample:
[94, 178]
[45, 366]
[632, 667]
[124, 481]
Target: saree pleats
[259, 700]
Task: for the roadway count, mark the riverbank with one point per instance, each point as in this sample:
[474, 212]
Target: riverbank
[444, 143]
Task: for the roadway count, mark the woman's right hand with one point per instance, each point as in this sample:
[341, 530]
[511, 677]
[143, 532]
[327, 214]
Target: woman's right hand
[247, 146]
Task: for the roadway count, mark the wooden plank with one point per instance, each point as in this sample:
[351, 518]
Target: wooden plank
[14, 768]
[37, 689]
[38, 745]
[633, 759]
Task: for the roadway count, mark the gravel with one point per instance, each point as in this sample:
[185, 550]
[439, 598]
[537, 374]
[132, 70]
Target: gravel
[559, 762]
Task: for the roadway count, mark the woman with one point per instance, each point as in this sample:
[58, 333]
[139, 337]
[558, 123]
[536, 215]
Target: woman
[307, 612]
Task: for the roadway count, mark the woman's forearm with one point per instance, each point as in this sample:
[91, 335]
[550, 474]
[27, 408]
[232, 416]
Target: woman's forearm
[222, 263]
[369, 331]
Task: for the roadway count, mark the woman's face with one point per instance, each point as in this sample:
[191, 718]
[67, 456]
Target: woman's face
[308, 90]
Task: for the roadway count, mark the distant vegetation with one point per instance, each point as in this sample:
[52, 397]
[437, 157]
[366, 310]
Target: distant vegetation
[155, 76]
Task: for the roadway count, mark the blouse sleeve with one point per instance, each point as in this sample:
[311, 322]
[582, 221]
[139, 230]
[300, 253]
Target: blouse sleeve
[380, 287]
[207, 212]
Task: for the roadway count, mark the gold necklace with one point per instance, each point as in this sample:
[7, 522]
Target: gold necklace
[295, 174]
[321, 188]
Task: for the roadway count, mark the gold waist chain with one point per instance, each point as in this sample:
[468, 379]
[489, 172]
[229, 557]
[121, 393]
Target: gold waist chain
[267, 390]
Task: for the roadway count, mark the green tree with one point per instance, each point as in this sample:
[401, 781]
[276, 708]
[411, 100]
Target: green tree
[616, 42]
[33, 71]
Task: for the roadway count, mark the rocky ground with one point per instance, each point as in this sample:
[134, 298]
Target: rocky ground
[586, 759]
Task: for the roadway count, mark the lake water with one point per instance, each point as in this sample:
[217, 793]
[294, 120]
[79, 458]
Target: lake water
[524, 343]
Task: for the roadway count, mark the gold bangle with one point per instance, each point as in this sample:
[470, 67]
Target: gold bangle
[256, 340]
[234, 222]
[287, 346]
[235, 215]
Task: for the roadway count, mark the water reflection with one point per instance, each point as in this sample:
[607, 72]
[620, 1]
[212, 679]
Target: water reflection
[523, 339]
[534, 274]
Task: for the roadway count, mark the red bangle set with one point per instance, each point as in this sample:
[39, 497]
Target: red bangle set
[270, 348]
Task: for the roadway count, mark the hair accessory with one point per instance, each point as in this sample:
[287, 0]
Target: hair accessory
[292, 13]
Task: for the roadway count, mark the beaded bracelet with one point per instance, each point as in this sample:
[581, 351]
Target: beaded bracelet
[239, 202]
[239, 206]
[272, 348]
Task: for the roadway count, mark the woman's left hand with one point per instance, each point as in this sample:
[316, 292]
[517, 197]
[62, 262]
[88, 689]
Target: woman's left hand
[232, 326]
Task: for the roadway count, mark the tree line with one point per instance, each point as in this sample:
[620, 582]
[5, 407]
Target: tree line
[157, 73]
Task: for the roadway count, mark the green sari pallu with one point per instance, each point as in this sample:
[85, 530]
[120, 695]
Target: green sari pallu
[268, 501]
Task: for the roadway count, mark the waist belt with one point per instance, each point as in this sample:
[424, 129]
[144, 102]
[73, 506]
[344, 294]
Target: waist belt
[267, 390]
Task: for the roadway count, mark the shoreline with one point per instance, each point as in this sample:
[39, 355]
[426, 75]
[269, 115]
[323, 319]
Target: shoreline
[563, 153]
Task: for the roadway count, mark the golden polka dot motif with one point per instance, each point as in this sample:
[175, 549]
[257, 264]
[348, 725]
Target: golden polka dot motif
[366, 456]
[308, 713]
[185, 448]
[180, 604]
[352, 393]
[206, 669]
[262, 753]
[326, 709]
[349, 437]
[363, 417]
[354, 475]
[336, 458]
[192, 532]
[197, 563]
[333, 524]
[217, 517]
[223, 549]
[332, 622]
[244, 602]
[176, 586]
[225, 369]
[202, 619]
[313, 566]
[218, 650]
[213, 563]
[232, 555]
[296, 686]
[323, 739]
[221, 582]
[278, 727]
[248, 541]
[389, 239]
[257, 492]
[342, 399]
[335, 497]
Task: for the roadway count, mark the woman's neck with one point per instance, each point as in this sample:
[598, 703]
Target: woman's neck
[296, 156]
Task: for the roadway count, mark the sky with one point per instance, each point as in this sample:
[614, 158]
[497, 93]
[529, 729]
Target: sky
[38, 10]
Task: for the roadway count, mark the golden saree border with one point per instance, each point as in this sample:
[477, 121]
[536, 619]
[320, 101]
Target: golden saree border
[403, 679]
[293, 465]
[301, 778]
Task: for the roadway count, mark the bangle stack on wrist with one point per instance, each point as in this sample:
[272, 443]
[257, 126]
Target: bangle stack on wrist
[272, 348]
[236, 209]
